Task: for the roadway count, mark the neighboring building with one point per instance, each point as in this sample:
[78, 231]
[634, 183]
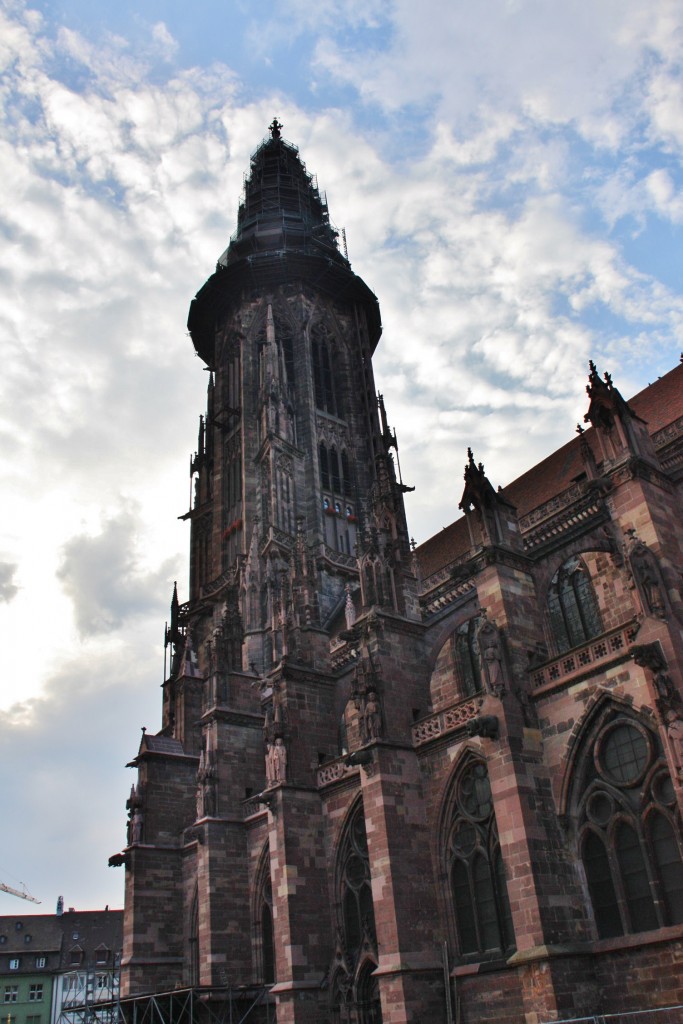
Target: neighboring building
[30, 947]
[55, 968]
[379, 769]
[89, 969]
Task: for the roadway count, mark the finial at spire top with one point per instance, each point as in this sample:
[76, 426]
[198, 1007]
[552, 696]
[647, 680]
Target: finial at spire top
[274, 128]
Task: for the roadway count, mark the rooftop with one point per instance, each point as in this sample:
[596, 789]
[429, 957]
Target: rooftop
[659, 404]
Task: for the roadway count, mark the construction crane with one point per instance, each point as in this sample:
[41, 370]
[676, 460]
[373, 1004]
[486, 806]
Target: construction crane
[18, 892]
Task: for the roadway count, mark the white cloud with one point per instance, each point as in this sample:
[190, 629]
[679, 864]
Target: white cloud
[62, 757]
[168, 46]
[8, 588]
[102, 576]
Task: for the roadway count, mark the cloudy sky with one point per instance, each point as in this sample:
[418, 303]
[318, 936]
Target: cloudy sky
[509, 177]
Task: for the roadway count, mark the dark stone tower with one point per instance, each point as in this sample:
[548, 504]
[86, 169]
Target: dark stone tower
[297, 529]
[292, 469]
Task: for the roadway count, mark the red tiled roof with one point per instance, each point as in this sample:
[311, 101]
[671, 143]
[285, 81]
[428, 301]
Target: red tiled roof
[658, 404]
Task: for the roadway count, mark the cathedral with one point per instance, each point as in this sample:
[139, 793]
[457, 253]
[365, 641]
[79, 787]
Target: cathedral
[440, 784]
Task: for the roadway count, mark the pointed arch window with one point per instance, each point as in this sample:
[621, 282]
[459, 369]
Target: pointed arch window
[355, 994]
[629, 829]
[474, 867]
[339, 520]
[267, 942]
[358, 915]
[285, 342]
[325, 372]
[369, 1006]
[264, 923]
[347, 485]
[572, 606]
[324, 468]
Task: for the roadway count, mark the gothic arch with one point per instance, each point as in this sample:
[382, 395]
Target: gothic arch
[588, 544]
[471, 872]
[353, 991]
[329, 363]
[368, 1002]
[456, 671]
[625, 822]
[468, 608]
[595, 708]
[353, 891]
[571, 609]
[262, 919]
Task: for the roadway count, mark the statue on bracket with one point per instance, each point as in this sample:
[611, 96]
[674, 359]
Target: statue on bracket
[365, 695]
[276, 762]
[647, 576]
[206, 785]
[674, 734]
[667, 701]
[274, 741]
[134, 806]
[372, 717]
[491, 654]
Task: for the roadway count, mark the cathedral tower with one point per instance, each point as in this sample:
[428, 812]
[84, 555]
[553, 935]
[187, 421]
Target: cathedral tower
[396, 786]
[292, 470]
[297, 529]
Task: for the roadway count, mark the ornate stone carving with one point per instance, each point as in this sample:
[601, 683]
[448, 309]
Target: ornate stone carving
[648, 656]
[365, 695]
[674, 734]
[443, 722]
[372, 717]
[334, 771]
[494, 675]
[206, 785]
[134, 825]
[647, 576]
[485, 725]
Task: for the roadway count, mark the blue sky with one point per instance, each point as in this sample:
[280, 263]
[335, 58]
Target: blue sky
[509, 177]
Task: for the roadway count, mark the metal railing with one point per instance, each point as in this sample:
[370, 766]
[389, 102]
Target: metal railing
[660, 1015]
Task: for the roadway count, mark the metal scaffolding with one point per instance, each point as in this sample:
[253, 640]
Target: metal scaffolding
[244, 1004]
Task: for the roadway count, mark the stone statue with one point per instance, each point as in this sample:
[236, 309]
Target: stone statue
[674, 731]
[646, 576]
[372, 717]
[491, 658]
[136, 827]
[280, 760]
[206, 786]
[209, 796]
[134, 808]
[270, 764]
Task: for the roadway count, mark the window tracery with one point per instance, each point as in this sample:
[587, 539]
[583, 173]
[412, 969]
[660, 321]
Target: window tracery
[339, 519]
[325, 371]
[474, 867]
[628, 829]
[457, 669]
[265, 944]
[572, 606]
[355, 989]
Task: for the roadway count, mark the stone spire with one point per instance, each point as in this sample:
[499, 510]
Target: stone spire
[282, 207]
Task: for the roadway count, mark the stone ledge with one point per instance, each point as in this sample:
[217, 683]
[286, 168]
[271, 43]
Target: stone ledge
[295, 986]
